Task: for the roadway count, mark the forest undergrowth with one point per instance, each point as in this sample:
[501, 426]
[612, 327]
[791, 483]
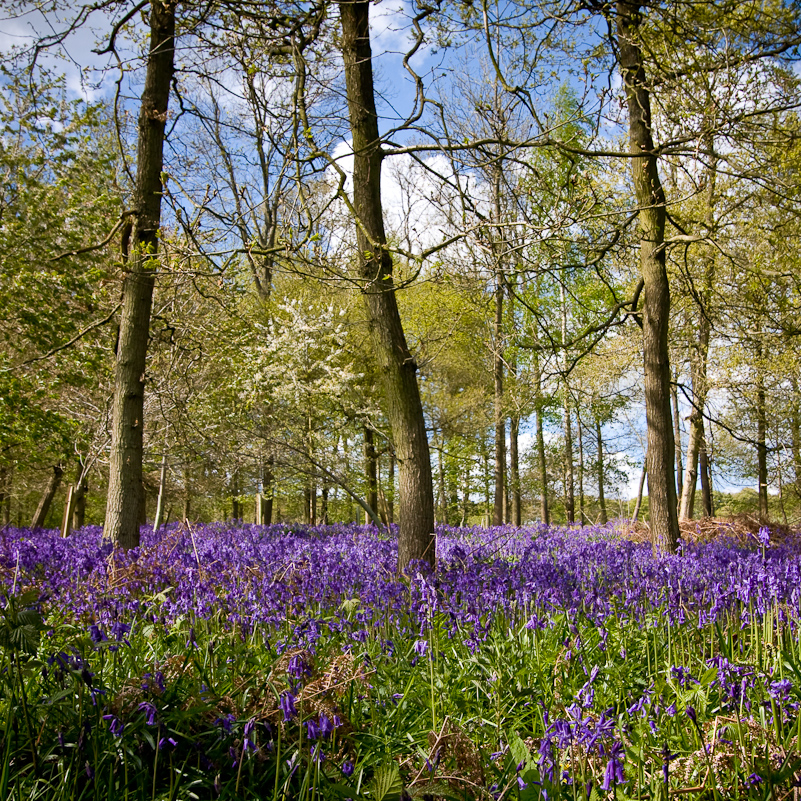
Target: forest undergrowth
[290, 662]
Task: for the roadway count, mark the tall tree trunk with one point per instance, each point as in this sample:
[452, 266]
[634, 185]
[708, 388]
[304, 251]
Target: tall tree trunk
[570, 498]
[47, 497]
[795, 434]
[636, 513]
[3, 481]
[570, 492]
[8, 486]
[580, 430]
[79, 498]
[674, 396]
[498, 411]
[324, 505]
[236, 511]
[708, 508]
[487, 516]
[268, 485]
[541, 458]
[162, 488]
[396, 364]
[125, 492]
[391, 489]
[442, 500]
[656, 307]
[604, 518]
[762, 428]
[370, 468]
[698, 368]
[514, 470]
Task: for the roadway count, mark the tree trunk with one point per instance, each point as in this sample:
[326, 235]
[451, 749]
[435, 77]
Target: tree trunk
[370, 468]
[706, 478]
[80, 490]
[486, 517]
[442, 500]
[125, 491]
[162, 488]
[47, 497]
[498, 412]
[395, 362]
[580, 430]
[514, 470]
[762, 428]
[698, 376]
[324, 505]
[541, 458]
[79, 508]
[638, 504]
[7, 487]
[674, 397]
[656, 307]
[391, 489]
[268, 485]
[236, 511]
[604, 518]
[570, 497]
[570, 492]
[795, 434]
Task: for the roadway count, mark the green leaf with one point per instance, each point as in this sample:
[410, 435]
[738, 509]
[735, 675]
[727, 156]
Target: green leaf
[520, 753]
[387, 784]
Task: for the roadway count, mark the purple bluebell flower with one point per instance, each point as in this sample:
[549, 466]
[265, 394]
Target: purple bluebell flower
[151, 713]
[288, 706]
[115, 726]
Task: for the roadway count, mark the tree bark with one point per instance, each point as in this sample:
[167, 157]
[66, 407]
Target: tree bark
[397, 366]
[125, 492]
[514, 470]
[5, 490]
[391, 489]
[638, 504]
[498, 412]
[762, 428]
[541, 458]
[79, 508]
[708, 508]
[43, 508]
[580, 431]
[324, 505]
[370, 468]
[7, 487]
[570, 498]
[236, 512]
[674, 397]
[604, 518]
[162, 488]
[795, 434]
[268, 485]
[656, 307]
